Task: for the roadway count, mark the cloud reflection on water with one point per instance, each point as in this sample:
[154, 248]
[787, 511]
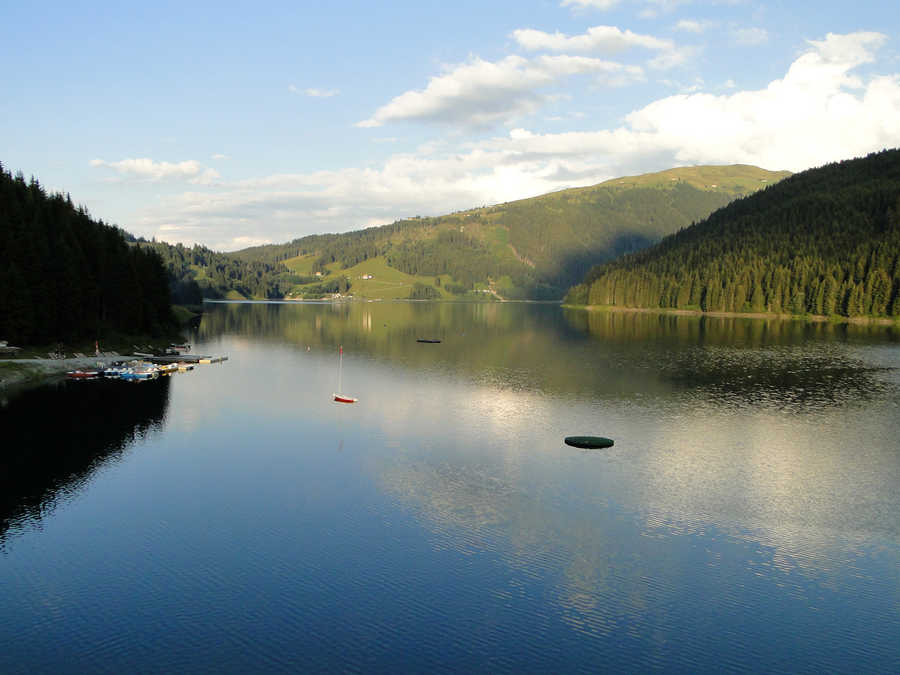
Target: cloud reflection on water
[732, 444]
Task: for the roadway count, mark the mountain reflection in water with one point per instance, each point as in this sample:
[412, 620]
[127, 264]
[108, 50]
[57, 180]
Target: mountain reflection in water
[795, 363]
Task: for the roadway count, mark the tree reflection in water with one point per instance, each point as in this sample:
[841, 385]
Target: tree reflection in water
[57, 436]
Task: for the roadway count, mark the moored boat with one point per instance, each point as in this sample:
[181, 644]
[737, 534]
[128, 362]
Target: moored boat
[132, 375]
[114, 370]
[141, 370]
[82, 374]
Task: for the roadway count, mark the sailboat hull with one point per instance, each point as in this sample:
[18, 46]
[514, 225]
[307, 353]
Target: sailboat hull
[340, 398]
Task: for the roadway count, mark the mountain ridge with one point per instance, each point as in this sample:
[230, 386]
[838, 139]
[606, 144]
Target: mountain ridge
[535, 247]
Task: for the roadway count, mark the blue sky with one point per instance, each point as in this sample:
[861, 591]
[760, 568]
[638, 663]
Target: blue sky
[234, 124]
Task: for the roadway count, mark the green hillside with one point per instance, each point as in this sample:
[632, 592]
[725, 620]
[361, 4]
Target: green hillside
[371, 279]
[822, 242]
[530, 248]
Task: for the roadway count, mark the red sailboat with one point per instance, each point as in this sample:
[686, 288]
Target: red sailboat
[342, 398]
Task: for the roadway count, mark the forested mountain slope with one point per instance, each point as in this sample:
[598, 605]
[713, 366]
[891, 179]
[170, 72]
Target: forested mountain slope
[197, 272]
[537, 247]
[532, 248]
[824, 242]
[65, 277]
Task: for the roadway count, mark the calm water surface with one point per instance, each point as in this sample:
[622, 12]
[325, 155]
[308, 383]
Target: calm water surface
[235, 519]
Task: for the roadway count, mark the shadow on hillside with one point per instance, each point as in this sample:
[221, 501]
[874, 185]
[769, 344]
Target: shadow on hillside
[576, 265]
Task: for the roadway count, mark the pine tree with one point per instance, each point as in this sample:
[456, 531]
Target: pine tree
[878, 289]
[757, 299]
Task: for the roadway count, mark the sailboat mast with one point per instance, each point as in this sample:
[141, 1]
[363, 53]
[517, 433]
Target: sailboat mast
[339, 396]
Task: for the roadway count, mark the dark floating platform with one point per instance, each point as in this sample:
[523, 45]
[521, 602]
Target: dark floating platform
[428, 341]
[589, 442]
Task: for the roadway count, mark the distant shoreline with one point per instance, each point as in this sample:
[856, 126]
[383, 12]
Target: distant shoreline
[360, 299]
[815, 318]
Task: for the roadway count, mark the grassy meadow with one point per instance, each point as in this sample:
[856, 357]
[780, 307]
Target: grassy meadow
[386, 283]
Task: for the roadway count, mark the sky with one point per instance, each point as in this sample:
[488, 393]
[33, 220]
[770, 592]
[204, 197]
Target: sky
[233, 124]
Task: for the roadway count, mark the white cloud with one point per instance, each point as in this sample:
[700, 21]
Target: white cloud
[592, 4]
[605, 39]
[312, 92]
[481, 93]
[750, 36]
[820, 111]
[146, 169]
[321, 93]
[220, 156]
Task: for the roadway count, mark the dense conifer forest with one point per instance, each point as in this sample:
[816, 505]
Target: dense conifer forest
[197, 272]
[822, 242]
[68, 278]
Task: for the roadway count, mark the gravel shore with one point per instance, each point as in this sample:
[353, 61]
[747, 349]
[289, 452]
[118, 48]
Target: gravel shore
[21, 371]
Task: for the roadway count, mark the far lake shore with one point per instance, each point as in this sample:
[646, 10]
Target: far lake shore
[819, 318]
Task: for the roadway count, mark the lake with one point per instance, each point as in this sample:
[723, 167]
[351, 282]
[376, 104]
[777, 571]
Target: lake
[236, 519]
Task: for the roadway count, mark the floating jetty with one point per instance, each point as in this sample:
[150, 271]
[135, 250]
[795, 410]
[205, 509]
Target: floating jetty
[181, 358]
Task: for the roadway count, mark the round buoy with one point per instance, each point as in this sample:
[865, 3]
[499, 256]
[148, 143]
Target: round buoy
[589, 442]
